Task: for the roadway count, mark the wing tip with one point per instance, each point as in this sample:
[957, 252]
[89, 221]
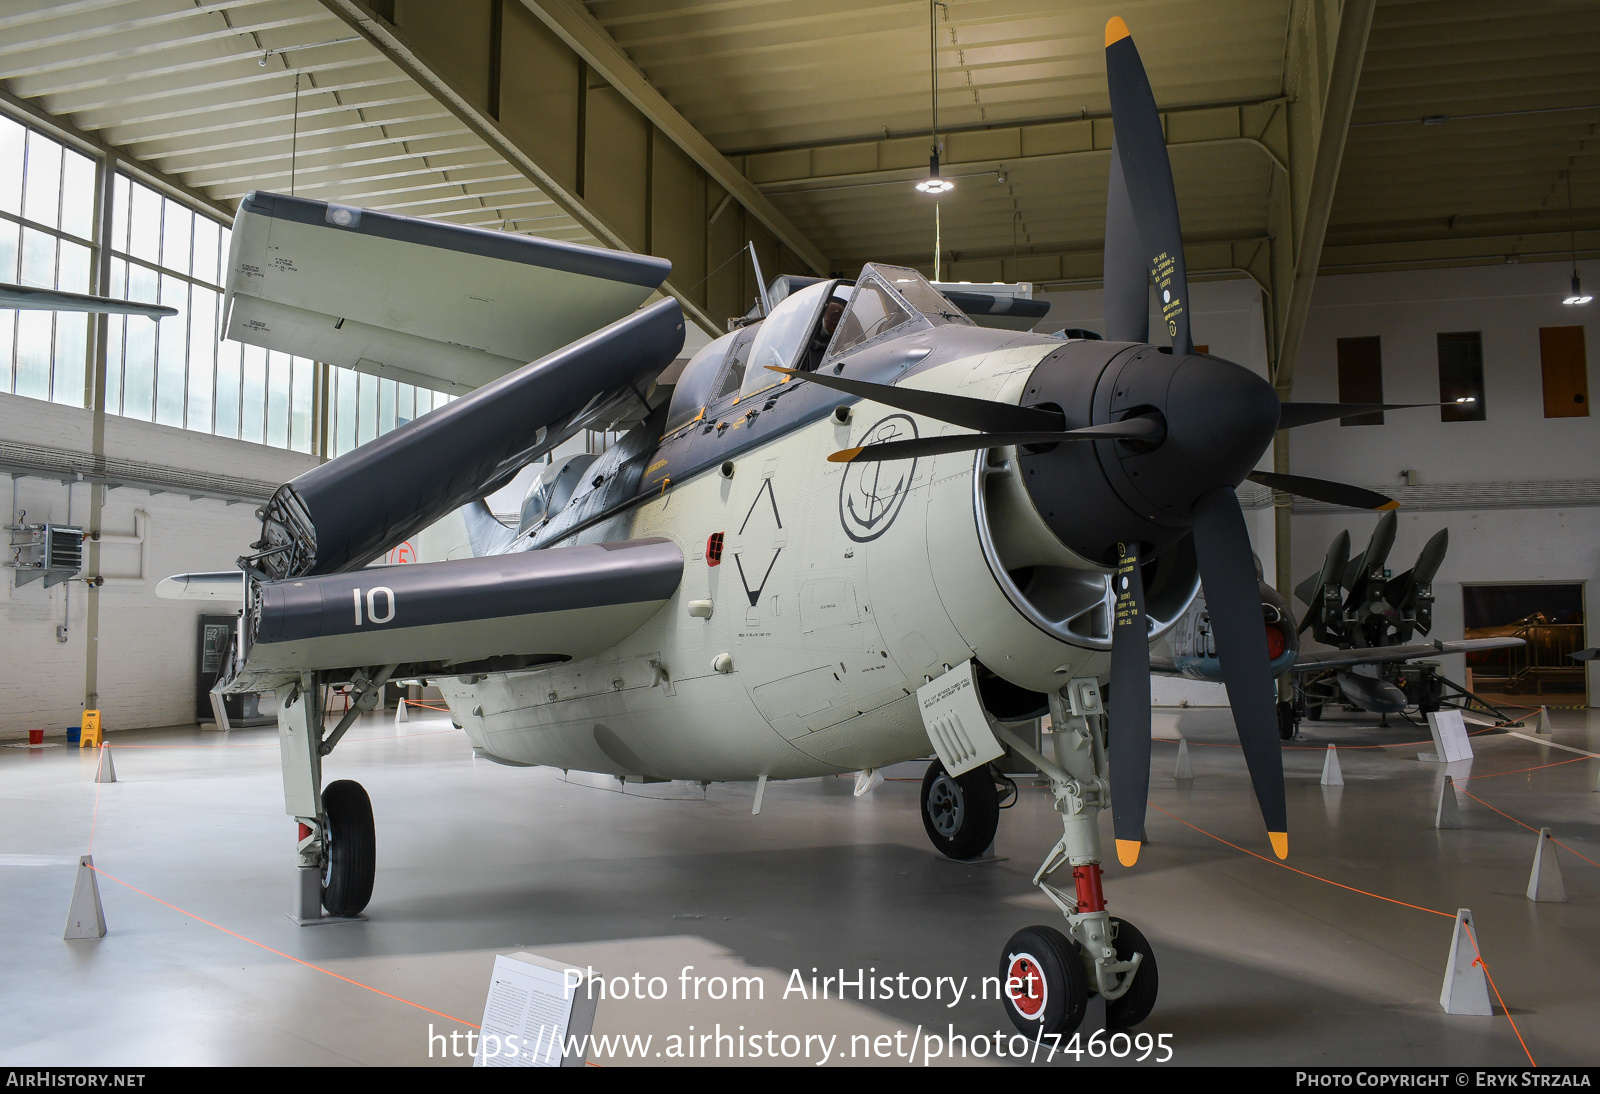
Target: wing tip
[844, 455]
[1280, 843]
[1116, 30]
[1127, 849]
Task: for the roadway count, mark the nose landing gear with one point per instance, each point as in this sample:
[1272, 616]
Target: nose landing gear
[1048, 975]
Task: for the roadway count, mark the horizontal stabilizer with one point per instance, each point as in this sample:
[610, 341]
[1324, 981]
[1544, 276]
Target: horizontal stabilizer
[1313, 660]
[1002, 309]
[348, 511]
[28, 298]
[225, 585]
[421, 301]
[493, 614]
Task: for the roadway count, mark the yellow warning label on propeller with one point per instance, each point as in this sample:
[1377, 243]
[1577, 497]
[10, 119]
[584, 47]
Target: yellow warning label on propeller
[1163, 267]
[1127, 607]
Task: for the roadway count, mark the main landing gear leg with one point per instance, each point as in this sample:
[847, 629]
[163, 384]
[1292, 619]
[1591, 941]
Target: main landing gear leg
[336, 853]
[299, 744]
[1048, 976]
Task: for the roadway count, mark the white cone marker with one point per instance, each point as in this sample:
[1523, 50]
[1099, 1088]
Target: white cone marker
[400, 713]
[1184, 769]
[1466, 987]
[1448, 814]
[1544, 883]
[85, 918]
[1331, 775]
[106, 772]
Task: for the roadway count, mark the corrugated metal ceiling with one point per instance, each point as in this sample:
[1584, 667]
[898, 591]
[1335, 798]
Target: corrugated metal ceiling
[205, 93]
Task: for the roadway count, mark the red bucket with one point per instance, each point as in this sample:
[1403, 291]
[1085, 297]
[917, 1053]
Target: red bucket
[36, 736]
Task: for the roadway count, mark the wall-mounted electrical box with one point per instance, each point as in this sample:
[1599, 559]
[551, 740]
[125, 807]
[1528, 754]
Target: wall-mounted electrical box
[53, 552]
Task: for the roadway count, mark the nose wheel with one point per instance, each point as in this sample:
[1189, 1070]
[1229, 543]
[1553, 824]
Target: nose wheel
[1047, 975]
[1043, 984]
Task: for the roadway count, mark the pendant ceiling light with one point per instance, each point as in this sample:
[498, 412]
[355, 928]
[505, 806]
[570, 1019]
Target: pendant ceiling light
[934, 183]
[1577, 295]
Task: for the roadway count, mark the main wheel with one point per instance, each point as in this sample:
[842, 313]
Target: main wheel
[961, 812]
[1287, 722]
[349, 859]
[1043, 984]
[1135, 1004]
[1314, 712]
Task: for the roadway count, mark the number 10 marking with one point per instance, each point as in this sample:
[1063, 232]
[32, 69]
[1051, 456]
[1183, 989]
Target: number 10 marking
[372, 605]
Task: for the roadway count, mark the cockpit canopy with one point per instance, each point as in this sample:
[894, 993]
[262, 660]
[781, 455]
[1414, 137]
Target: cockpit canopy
[885, 302]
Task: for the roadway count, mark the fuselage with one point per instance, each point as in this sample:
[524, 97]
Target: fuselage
[816, 597]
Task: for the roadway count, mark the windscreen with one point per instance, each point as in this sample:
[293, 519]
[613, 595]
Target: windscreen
[921, 295]
[693, 389]
[872, 311]
[782, 335]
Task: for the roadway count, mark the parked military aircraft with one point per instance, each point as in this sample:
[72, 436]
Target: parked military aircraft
[785, 568]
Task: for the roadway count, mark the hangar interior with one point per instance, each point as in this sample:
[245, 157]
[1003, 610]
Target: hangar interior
[1383, 201]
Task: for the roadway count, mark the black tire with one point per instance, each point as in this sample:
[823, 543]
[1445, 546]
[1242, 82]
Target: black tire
[1139, 1000]
[1314, 712]
[1287, 723]
[1051, 986]
[960, 813]
[350, 858]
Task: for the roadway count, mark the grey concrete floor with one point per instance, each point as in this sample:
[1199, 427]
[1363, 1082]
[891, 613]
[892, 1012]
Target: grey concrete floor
[1258, 964]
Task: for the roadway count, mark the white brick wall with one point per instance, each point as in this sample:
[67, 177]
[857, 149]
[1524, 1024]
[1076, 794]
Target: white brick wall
[147, 645]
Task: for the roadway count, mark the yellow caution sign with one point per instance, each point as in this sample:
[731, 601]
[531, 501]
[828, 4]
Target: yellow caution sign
[89, 736]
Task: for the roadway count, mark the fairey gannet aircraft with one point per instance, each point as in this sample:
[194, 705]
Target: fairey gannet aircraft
[816, 554]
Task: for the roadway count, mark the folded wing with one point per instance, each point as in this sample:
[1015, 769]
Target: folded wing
[420, 301]
[493, 614]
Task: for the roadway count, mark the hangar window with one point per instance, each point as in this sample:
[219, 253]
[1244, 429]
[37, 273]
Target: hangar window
[1564, 366]
[1361, 376]
[46, 236]
[1461, 376]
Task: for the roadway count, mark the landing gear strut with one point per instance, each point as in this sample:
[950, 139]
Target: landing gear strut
[1048, 975]
[336, 853]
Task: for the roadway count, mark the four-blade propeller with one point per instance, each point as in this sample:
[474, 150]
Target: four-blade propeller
[1213, 435]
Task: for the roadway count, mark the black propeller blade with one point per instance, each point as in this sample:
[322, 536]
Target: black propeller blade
[1134, 429]
[1127, 277]
[980, 414]
[1128, 736]
[1294, 415]
[1334, 493]
[1228, 573]
[1141, 148]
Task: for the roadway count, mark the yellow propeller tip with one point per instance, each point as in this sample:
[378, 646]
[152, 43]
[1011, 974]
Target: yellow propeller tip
[1280, 843]
[844, 455]
[1116, 30]
[1389, 506]
[1127, 849]
[777, 368]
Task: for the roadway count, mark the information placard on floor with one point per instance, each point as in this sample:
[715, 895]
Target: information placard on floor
[537, 1011]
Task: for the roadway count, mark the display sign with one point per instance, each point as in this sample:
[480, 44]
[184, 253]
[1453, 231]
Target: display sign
[537, 1009]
